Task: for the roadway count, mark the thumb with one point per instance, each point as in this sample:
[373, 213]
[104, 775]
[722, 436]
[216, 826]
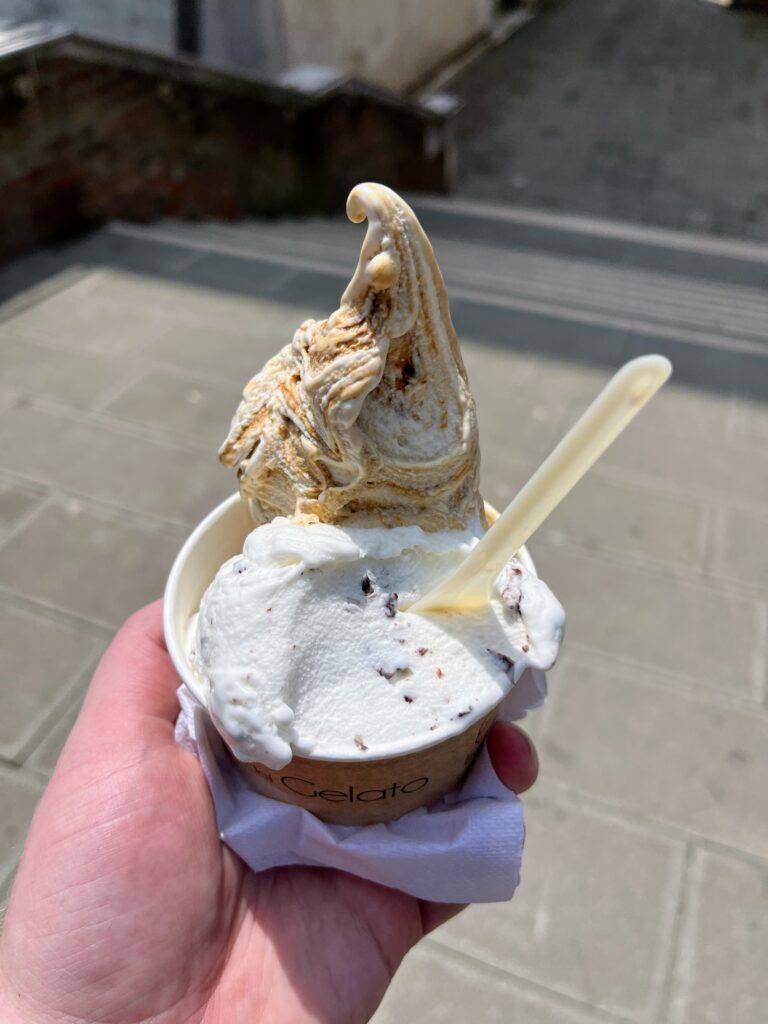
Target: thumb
[513, 756]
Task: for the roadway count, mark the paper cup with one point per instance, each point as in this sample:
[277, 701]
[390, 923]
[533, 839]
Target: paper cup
[343, 791]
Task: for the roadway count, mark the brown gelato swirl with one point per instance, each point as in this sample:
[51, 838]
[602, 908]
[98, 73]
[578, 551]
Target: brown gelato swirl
[366, 418]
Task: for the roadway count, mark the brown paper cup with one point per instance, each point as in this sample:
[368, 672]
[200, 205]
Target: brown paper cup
[354, 791]
[366, 792]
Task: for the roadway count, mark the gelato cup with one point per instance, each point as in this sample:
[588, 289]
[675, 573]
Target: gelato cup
[354, 790]
[357, 457]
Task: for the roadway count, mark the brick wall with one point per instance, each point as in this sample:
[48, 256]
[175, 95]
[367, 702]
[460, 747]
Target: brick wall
[84, 141]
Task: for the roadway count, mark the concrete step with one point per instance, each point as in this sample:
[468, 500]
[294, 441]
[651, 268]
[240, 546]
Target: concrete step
[585, 309]
[588, 288]
[504, 226]
[694, 254]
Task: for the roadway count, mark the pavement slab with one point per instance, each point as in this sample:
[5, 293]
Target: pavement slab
[577, 924]
[742, 547]
[36, 369]
[175, 407]
[19, 793]
[704, 763]
[43, 657]
[96, 459]
[622, 110]
[641, 523]
[720, 966]
[17, 501]
[100, 568]
[91, 317]
[750, 423]
[436, 985]
[46, 754]
[706, 465]
[649, 617]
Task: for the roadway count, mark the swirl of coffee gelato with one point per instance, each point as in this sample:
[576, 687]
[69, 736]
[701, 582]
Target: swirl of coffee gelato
[366, 418]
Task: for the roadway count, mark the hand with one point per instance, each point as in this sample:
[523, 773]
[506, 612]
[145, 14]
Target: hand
[128, 908]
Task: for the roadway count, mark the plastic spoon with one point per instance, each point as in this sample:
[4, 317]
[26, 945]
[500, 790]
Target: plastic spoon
[469, 585]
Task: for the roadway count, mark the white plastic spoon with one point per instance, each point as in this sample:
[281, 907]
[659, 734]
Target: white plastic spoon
[469, 585]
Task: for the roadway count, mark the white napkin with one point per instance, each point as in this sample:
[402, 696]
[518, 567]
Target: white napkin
[466, 848]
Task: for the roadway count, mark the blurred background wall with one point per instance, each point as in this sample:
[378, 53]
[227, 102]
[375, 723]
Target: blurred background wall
[392, 45]
[389, 44]
[275, 107]
[143, 23]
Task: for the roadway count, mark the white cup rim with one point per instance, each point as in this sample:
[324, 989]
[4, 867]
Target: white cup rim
[173, 641]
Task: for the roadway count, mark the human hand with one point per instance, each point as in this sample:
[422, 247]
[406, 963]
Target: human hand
[127, 908]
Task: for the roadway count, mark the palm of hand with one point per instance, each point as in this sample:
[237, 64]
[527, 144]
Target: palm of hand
[127, 907]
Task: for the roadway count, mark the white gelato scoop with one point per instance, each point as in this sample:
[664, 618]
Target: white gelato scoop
[302, 649]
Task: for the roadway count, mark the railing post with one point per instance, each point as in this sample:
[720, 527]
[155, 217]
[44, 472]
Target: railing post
[188, 27]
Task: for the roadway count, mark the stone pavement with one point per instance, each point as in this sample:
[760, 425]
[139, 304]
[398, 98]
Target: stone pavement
[652, 112]
[645, 885]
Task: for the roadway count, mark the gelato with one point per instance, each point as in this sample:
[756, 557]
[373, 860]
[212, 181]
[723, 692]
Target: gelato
[304, 648]
[367, 417]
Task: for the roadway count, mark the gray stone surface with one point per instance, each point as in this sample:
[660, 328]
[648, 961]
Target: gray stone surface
[89, 562]
[75, 378]
[704, 465]
[46, 754]
[678, 411]
[656, 619]
[94, 315]
[528, 427]
[19, 793]
[623, 736]
[5, 891]
[577, 924]
[720, 970]
[210, 351]
[625, 110]
[95, 460]
[644, 832]
[434, 986]
[750, 422]
[39, 660]
[218, 350]
[742, 551]
[192, 409]
[17, 500]
[218, 272]
[641, 523]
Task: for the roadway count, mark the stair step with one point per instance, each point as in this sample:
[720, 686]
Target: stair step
[709, 257]
[686, 308]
